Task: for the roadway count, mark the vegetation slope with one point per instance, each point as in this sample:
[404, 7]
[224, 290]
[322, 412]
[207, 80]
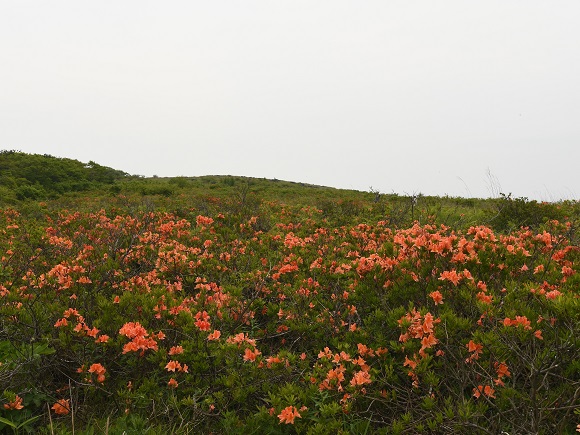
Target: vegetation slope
[224, 304]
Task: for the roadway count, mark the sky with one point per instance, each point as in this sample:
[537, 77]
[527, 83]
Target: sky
[451, 97]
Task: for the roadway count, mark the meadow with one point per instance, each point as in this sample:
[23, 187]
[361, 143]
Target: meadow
[222, 304]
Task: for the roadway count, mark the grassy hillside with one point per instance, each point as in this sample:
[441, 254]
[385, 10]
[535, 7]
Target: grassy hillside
[27, 179]
[33, 176]
[223, 304]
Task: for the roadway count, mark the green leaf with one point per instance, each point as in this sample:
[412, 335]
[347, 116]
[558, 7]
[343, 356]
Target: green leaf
[8, 422]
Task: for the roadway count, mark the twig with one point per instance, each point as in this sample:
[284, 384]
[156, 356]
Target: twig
[72, 408]
[50, 419]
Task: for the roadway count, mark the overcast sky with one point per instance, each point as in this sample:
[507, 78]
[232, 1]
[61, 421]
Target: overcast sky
[464, 98]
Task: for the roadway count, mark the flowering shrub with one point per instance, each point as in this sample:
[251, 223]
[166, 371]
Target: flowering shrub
[280, 321]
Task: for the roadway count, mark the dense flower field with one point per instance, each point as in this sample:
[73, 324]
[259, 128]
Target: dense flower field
[217, 322]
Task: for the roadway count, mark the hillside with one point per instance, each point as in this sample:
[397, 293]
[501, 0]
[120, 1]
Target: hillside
[26, 179]
[222, 304]
[35, 176]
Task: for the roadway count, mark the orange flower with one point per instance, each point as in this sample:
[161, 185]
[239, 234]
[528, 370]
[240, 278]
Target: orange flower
[502, 370]
[102, 338]
[172, 383]
[215, 335]
[363, 349]
[484, 297]
[173, 365]
[427, 342]
[450, 275]
[133, 330]
[62, 407]
[288, 415]
[337, 374]
[93, 332]
[523, 321]
[360, 378]
[15, 404]
[410, 363]
[475, 348]
[487, 391]
[61, 322]
[428, 323]
[99, 370]
[203, 220]
[176, 350]
[467, 274]
[437, 297]
[138, 334]
[241, 338]
[567, 271]
[250, 355]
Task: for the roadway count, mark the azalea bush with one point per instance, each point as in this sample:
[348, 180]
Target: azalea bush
[240, 315]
